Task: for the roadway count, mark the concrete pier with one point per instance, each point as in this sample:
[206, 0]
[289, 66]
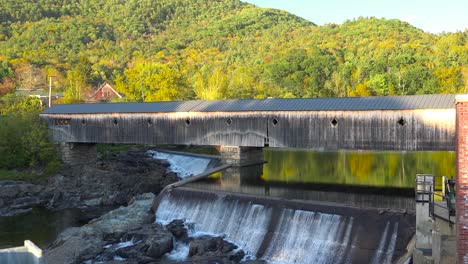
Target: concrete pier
[239, 156]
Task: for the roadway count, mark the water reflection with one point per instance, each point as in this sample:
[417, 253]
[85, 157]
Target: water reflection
[363, 179]
[42, 226]
[380, 169]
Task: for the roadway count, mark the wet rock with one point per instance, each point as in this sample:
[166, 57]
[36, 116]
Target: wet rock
[117, 198]
[93, 202]
[25, 202]
[79, 244]
[7, 212]
[15, 189]
[178, 230]
[130, 252]
[256, 261]
[159, 244]
[108, 184]
[215, 246]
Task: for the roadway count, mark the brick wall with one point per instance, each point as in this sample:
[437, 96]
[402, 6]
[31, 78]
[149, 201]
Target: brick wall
[462, 178]
[78, 153]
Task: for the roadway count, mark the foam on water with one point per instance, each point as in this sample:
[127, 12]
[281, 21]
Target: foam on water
[242, 223]
[184, 165]
[309, 237]
[179, 253]
[287, 235]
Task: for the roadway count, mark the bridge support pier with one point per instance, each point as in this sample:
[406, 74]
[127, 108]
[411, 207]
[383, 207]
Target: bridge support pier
[78, 153]
[462, 178]
[240, 156]
[240, 175]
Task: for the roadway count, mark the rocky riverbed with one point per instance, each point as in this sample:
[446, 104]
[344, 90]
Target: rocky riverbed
[130, 235]
[127, 234]
[112, 182]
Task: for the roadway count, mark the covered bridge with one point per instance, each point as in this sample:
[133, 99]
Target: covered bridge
[423, 122]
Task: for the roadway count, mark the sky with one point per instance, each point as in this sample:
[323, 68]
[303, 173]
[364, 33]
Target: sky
[434, 16]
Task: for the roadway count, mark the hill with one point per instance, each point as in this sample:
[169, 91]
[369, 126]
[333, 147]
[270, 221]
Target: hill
[175, 49]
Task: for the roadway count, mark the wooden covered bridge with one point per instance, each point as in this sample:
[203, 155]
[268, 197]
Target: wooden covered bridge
[425, 122]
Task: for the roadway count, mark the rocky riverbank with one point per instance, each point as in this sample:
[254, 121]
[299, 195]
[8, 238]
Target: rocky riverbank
[130, 235]
[112, 182]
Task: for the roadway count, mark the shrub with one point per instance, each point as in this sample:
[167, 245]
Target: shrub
[24, 139]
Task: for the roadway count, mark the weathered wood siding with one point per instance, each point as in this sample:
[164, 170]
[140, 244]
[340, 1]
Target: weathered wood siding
[237, 129]
[378, 130]
[328, 130]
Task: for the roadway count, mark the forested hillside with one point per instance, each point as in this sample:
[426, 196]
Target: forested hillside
[215, 49]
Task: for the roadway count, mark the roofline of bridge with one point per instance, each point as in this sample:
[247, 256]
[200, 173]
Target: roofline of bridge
[412, 102]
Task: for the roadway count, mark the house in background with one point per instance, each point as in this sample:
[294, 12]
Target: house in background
[104, 93]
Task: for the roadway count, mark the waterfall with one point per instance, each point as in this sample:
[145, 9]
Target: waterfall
[242, 223]
[279, 234]
[384, 255]
[309, 237]
[184, 165]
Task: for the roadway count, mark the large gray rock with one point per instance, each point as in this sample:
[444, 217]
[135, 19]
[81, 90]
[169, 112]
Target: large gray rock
[79, 244]
[17, 197]
[207, 246]
[159, 244]
[178, 230]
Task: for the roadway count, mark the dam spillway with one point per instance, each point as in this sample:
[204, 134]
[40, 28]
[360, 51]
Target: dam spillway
[283, 231]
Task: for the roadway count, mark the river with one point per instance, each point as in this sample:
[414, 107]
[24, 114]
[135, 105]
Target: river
[284, 167]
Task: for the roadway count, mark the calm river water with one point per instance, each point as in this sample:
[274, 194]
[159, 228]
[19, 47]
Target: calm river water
[364, 168]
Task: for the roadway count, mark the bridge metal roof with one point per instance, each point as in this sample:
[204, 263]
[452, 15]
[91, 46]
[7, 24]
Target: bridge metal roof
[437, 101]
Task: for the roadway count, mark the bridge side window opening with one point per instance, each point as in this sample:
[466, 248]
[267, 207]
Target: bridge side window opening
[187, 122]
[275, 121]
[62, 121]
[334, 122]
[402, 121]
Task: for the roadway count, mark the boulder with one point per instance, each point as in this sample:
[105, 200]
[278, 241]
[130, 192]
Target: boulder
[80, 244]
[215, 246]
[178, 230]
[159, 243]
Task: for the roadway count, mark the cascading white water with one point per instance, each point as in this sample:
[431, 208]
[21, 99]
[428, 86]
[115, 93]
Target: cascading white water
[309, 237]
[297, 236]
[184, 165]
[242, 223]
[383, 255]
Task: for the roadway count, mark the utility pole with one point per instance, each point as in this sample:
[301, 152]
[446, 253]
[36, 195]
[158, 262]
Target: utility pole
[50, 90]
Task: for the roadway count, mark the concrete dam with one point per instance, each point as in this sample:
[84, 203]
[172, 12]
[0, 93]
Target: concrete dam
[283, 231]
